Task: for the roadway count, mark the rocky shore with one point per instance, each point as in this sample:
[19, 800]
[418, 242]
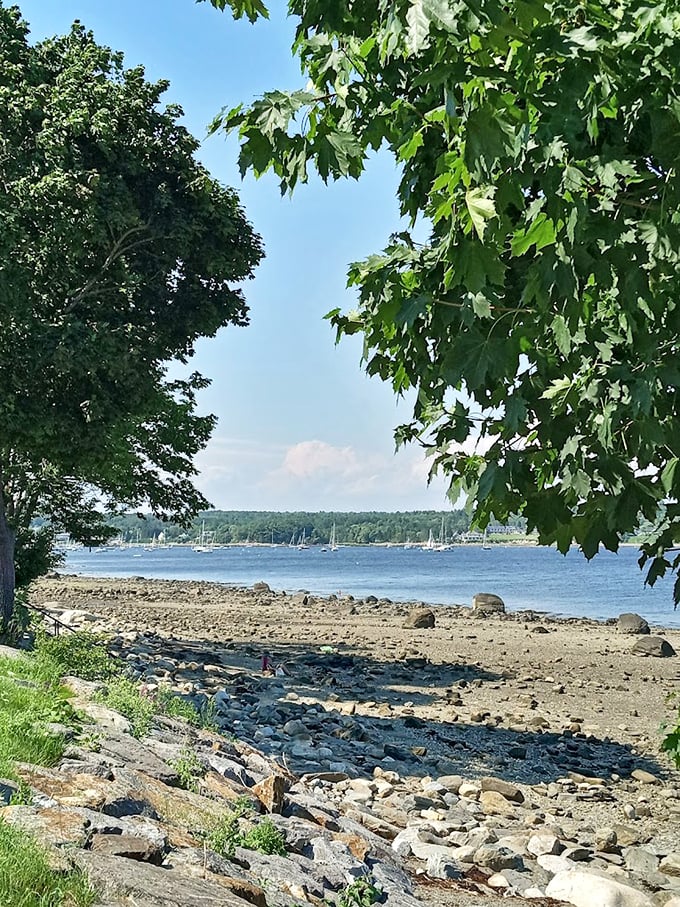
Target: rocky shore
[453, 756]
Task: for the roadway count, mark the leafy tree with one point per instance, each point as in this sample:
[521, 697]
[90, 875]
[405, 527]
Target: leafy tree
[117, 252]
[538, 149]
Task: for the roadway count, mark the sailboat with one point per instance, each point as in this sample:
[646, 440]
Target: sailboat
[203, 545]
[443, 544]
[332, 542]
[429, 544]
[485, 545]
[302, 543]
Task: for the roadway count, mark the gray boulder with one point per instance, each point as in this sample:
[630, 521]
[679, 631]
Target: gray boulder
[487, 603]
[656, 646]
[420, 619]
[153, 886]
[632, 624]
[586, 889]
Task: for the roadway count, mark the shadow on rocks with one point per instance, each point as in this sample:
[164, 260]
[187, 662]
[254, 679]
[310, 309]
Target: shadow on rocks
[338, 710]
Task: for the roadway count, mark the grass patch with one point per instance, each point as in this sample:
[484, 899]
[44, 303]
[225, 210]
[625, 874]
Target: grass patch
[28, 703]
[82, 654]
[26, 879]
[189, 769]
[227, 834]
[124, 696]
[139, 705]
[361, 893]
[266, 838]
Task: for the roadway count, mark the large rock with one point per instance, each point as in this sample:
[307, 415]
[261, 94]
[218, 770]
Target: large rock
[142, 883]
[656, 646]
[11, 652]
[270, 793]
[585, 889]
[131, 847]
[487, 603]
[632, 624]
[53, 826]
[419, 619]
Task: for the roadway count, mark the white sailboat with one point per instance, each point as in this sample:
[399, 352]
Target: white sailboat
[429, 544]
[332, 542]
[203, 546]
[302, 543]
[442, 544]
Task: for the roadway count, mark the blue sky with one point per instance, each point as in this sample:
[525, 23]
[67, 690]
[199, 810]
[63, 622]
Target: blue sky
[300, 426]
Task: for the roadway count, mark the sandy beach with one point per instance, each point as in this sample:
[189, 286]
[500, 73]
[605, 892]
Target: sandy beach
[576, 671]
[523, 697]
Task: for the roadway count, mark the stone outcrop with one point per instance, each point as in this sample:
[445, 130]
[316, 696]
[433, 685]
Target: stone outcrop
[632, 624]
[484, 603]
[420, 619]
[656, 646]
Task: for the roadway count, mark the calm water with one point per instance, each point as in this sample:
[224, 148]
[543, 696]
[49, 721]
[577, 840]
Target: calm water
[537, 578]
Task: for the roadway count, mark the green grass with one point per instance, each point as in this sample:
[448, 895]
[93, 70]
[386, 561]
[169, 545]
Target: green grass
[124, 696]
[226, 835]
[361, 893]
[26, 879]
[131, 699]
[28, 702]
[82, 654]
[189, 769]
[266, 838]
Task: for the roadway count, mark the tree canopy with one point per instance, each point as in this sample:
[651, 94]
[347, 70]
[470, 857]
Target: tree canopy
[538, 321]
[117, 252]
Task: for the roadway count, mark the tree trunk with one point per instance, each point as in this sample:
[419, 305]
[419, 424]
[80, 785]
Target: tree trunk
[7, 539]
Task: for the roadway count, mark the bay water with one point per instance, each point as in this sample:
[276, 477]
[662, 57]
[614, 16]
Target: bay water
[525, 577]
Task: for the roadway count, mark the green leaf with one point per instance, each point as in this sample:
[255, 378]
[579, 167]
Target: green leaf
[558, 389]
[481, 208]
[408, 149]
[481, 306]
[540, 233]
[562, 334]
[668, 475]
[418, 25]
[347, 151]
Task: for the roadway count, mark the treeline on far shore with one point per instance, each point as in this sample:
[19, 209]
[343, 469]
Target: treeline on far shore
[224, 527]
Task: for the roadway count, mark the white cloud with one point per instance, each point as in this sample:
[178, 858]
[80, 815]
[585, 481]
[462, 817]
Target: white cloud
[310, 459]
[315, 475]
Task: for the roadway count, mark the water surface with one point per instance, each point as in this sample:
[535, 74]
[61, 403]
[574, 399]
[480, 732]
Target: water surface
[525, 577]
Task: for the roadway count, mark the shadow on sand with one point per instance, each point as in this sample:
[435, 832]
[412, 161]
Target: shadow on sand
[384, 697]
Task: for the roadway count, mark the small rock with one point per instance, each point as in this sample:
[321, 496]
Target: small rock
[670, 865]
[497, 858]
[644, 777]
[132, 847]
[439, 867]
[606, 840]
[544, 844]
[509, 791]
[270, 793]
